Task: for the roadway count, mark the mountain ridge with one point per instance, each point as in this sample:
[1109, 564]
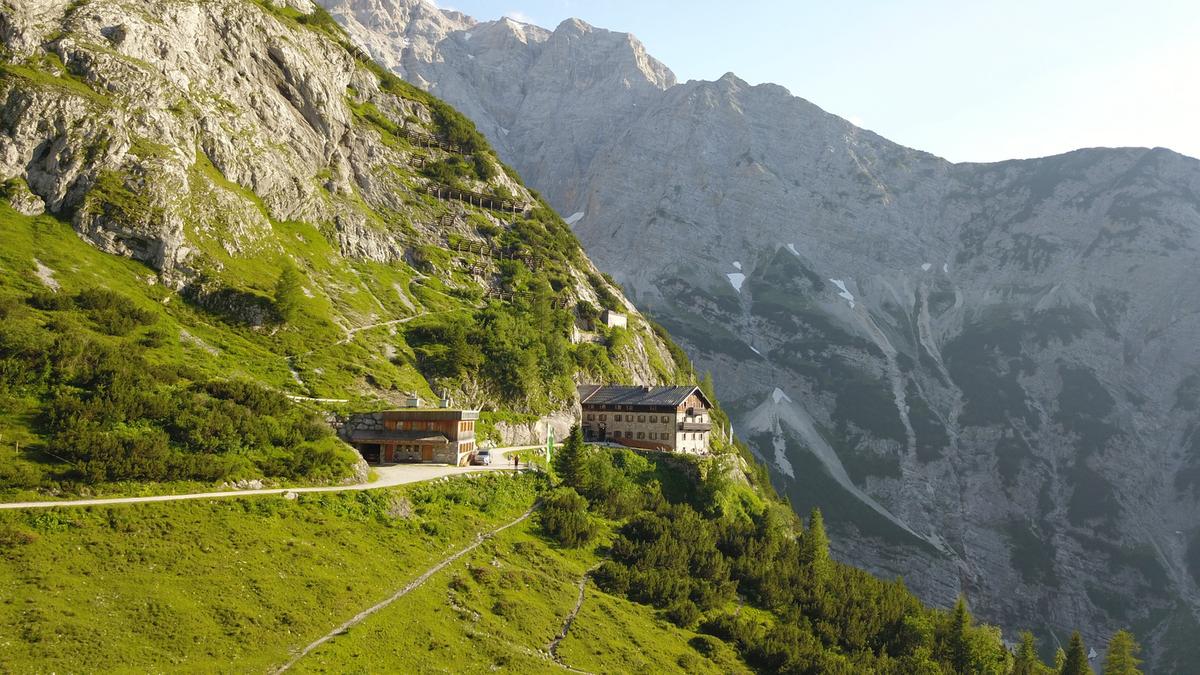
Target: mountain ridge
[1003, 310]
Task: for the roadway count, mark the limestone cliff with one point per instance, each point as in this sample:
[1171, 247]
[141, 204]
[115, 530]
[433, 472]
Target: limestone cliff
[222, 142]
[986, 373]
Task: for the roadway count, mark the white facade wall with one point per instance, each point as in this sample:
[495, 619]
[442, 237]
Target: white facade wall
[615, 319]
[692, 442]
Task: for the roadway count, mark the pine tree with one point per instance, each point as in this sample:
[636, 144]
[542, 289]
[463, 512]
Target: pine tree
[958, 638]
[568, 462]
[707, 386]
[1027, 661]
[289, 293]
[1076, 662]
[814, 548]
[1121, 658]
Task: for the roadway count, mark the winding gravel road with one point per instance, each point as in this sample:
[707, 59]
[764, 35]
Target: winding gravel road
[389, 476]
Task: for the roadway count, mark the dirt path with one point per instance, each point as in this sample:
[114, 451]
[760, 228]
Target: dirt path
[351, 332]
[413, 585]
[562, 634]
[389, 476]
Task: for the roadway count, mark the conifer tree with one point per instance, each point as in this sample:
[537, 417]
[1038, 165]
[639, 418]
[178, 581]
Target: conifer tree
[568, 463]
[289, 293]
[958, 638]
[1026, 661]
[814, 547]
[1121, 658]
[1060, 660]
[1076, 662]
[706, 386]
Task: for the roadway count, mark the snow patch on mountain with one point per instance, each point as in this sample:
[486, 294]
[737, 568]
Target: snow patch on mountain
[849, 297]
[737, 279]
[574, 217]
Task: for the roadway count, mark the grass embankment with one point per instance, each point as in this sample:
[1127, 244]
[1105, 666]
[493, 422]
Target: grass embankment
[499, 608]
[224, 585]
[242, 584]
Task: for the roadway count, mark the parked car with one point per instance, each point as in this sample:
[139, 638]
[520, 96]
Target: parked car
[482, 458]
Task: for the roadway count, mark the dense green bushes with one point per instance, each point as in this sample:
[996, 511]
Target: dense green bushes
[681, 551]
[519, 351]
[109, 312]
[564, 517]
[449, 171]
[112, 414]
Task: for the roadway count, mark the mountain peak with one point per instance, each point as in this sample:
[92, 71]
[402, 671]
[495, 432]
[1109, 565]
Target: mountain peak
[575, 25]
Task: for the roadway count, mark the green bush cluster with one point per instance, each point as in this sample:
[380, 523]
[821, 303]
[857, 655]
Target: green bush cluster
[608, 299]
[679, 551]
[450, 171]
[109, 312]
[456, 127]
[112, 413]
[520, 351]
[564, 517]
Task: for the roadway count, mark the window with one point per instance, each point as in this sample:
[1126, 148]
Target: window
[653, 419]
[641, 435]
[616, 418]
[591, 417]
[641, 418]
[603, 418]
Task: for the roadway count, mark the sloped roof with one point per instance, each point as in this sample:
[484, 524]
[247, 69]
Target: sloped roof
[593, 394]
[368, 436]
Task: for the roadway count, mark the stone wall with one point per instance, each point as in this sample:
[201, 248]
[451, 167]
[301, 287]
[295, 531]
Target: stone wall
[535, 433]
[360, 422]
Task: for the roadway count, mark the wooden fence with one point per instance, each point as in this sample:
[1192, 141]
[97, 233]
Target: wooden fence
[446, 192]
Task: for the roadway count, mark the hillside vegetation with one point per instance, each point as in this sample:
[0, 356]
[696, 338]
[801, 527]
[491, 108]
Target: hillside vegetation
[666, 564]
[258, 288]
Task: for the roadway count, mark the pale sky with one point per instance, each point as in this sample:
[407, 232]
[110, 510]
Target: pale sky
[969, 80]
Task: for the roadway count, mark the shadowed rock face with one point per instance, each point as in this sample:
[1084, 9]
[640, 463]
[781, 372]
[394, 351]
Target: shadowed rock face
[987, 374]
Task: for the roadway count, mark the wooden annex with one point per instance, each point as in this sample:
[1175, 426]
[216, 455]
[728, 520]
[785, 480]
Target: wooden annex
[429, 435]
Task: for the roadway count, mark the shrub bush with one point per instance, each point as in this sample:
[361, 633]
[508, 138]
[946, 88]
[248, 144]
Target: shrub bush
[564, 517]
[114, 415]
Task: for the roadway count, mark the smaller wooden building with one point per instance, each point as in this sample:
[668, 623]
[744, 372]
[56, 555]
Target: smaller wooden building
[429, 435]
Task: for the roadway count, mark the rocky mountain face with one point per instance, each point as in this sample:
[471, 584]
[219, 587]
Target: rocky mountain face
[222, 142]
[987, 374]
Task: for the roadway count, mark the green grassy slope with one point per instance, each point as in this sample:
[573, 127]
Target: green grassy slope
[499, 609]
[224, 585]
[239, 585]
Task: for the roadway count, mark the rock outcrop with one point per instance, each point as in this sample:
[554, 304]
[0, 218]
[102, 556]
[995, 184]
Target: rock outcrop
[220, 142]
[985, 373]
